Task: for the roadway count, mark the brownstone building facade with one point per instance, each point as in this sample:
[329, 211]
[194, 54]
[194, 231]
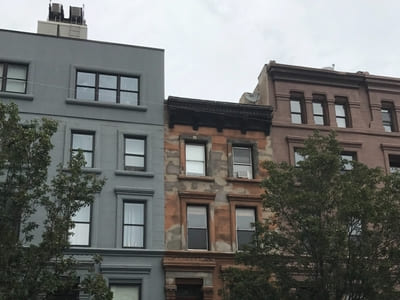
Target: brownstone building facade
[363, 109]
[213, 156]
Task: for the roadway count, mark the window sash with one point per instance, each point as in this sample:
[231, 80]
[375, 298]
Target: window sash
[296, 111]
[134, 153]
[341, 115]
[195, 159]
[242, 164]
[81, 232]
[245, 218]
[197, 227]
[133, 225]
[319, 113]
[86, 146]
[103, 87]
[387, 119]
[13, 78]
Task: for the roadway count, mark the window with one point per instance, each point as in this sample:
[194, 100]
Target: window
[319, 110]
[355, 228]
[189, 288]
[125, 292]
[134, 155]
[348, 157]
[81, 232]
[297, 157]
[245, 219]
[195, 160]
[394, 163]
[388, 117]
[133, 225]
[297, 111]
[197, 229]
[242, 162]
[13, 77]
[341, 110]
[107, 88]
[83, 141]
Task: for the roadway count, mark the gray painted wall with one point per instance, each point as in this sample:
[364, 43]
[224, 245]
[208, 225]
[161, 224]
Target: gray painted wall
[50, 92]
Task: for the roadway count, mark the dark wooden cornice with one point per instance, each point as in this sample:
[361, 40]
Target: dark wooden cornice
[218, 114]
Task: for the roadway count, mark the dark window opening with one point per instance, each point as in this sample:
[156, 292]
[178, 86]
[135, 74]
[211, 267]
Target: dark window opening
[394, 163]
[388, 119]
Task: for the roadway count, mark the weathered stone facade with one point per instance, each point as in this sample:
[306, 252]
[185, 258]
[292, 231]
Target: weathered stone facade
[199, 121]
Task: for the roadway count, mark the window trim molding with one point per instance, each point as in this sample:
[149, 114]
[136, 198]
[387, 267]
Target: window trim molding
[389, 149]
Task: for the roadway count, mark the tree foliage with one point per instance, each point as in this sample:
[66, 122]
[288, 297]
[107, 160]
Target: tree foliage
[32, 266]
[333, 233]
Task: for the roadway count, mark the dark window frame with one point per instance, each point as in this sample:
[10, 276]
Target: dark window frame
[394, 163]
[196, 143]
[97, 87]
[4, 77]
[342, 101]
[206, 207]
[348, 153]
[84, 132]
[392, 124]
[320, 99]
[134, 168]
[254, 209]
[298, 97]
[134, 225]
[90, 228]
[251, 150]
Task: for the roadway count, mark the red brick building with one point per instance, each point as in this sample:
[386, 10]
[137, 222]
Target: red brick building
[363, 109]
[213, 156]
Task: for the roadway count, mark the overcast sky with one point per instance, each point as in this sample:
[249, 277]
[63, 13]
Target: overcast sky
[215, 49]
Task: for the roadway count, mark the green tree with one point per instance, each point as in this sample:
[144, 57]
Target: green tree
[32, 267]
[333, 232]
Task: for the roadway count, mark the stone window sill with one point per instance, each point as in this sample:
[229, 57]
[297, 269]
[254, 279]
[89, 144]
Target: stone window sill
[235, 179]
[134, 173]
[106, 105]
[197, 178]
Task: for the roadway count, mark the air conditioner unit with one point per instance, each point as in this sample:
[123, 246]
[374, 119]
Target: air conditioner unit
[75, 12]
[56, 8]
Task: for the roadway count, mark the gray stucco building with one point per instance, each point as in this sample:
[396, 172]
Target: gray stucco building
[108, 100]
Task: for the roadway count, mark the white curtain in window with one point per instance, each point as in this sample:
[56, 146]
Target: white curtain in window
[125, 292]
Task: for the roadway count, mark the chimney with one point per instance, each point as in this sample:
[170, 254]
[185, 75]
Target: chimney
[58, 24]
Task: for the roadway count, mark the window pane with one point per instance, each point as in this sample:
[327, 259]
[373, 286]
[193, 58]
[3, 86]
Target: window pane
[242, 155]
[197, 238]
[129, 84]
[128, 98]
[298, 158]
[134, 146]
[319, 120]
[87, 156]
[341, 122]
[108, 81]
[15, 86]
[242, 171]
[107, 96]
[244, 238]
[82, 215]
[80, 234]
[348, 157]
[134, 161]
[296, 119]
[85, 93]
[245, 217]
[125, 292]
[197, 216]
[1, 70]
[195, 168]
[134, 213]
[87, 79]
[340, 111]
[295, 106]
[82, 141]
[16, 72]
[317, 108]
[386, 116]
[195, 152]
[133, 236]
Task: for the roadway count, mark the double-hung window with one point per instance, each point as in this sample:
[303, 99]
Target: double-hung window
[342, 113]
[297, 109]
[242, 162]
[197, 229]
[387, 112]
[112, 88]
[80, 234]
[83, 141]
[134, 155]
[347, 158]
[133, 225]
[319, 110]
[297, 157]
[13, 77]
[245, 219]
[195, 160]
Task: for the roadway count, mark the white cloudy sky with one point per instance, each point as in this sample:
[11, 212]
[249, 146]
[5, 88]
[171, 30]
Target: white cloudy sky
[215, 49]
